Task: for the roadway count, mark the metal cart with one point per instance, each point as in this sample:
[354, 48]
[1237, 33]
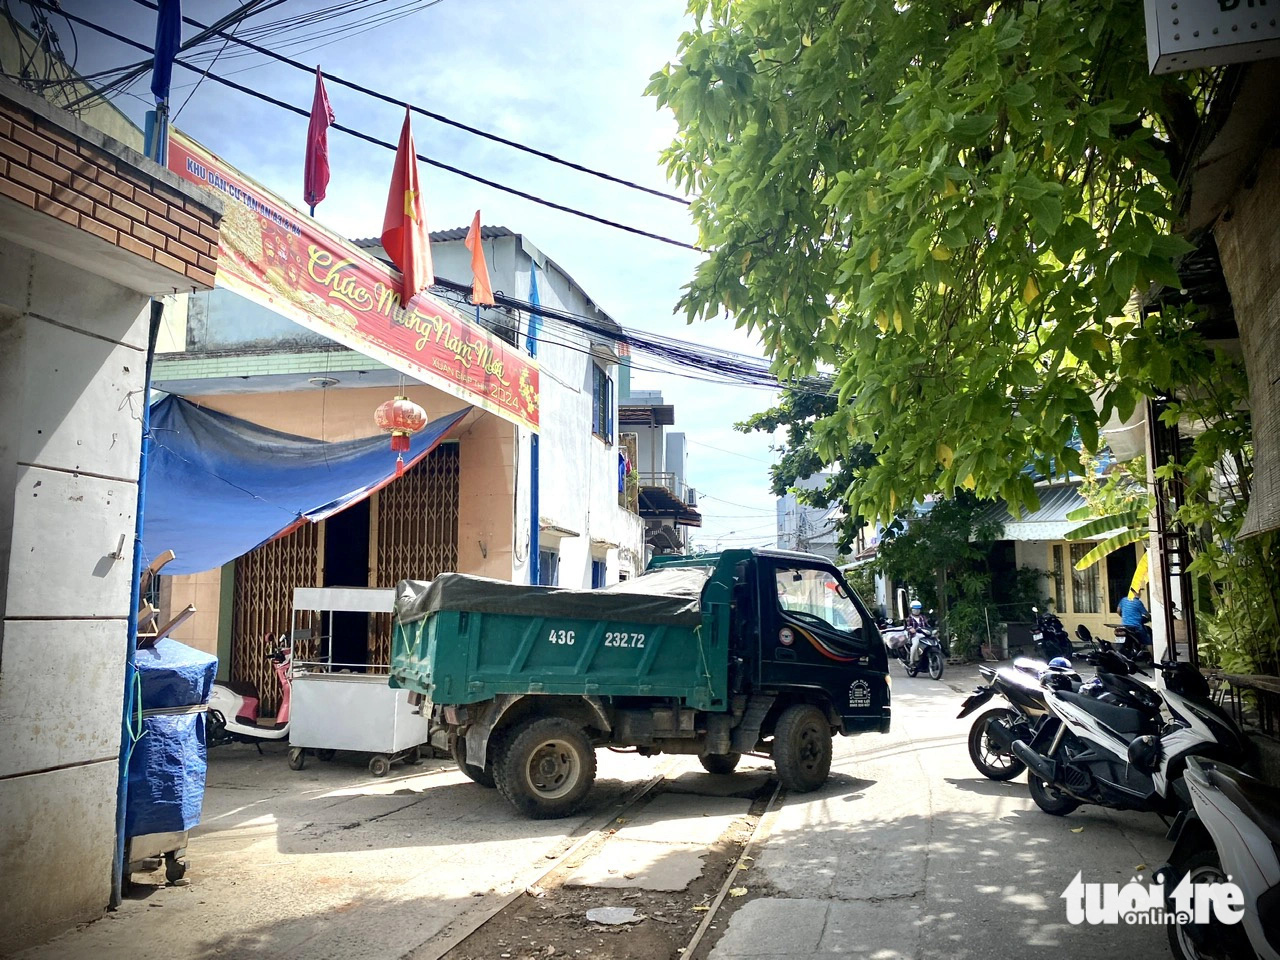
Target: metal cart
[333, 706]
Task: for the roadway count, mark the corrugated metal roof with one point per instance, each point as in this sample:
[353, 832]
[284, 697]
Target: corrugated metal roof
[1047, 523]
[445, 236]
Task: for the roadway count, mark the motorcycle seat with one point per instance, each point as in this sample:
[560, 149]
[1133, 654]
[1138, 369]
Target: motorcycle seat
[1120, 719]
[241, 688]
[1256, 800]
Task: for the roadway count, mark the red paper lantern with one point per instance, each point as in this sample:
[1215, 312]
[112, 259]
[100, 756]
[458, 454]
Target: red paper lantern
[401, 418]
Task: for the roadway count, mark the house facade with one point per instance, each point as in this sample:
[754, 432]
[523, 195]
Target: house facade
[465, 507]
[1037, 540]
[659, 459]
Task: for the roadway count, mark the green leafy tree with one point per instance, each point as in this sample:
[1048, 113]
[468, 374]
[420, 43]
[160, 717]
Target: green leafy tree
[947, 205]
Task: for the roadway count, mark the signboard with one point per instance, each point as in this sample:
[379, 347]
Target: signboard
[270, 253]
[1210, 33]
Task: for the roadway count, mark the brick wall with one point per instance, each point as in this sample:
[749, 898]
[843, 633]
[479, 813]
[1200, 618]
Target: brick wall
[79, 183]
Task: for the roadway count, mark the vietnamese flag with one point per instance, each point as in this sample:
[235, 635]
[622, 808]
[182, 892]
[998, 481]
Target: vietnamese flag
[404, 225]
[316, 173]
[481, 289]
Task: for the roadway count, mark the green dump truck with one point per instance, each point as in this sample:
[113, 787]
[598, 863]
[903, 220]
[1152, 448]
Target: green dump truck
[744, 651]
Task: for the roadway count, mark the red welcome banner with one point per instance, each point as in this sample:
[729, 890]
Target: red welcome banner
[272, 254]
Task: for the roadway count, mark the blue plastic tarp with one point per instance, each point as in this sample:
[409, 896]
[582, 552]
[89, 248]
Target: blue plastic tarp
[166, 775]
[167, 764]
[173, 674]
[218, 486]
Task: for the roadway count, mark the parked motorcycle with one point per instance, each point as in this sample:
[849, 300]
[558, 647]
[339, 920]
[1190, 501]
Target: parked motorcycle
[1232, 832]
[1050, 636]
[899, 644]
[1131, 641]
[1108, 744]
[993, 732]
[234, 706]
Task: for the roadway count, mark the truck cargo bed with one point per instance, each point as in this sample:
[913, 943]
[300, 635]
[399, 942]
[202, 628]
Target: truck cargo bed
[463, 639]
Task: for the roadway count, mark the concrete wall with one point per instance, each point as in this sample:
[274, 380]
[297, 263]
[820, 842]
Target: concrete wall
[1249, 244]
[89, 229]
[71, 367]
[204, 590]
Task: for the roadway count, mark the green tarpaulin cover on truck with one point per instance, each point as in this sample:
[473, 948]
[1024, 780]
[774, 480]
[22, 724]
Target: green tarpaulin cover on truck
[671, 596]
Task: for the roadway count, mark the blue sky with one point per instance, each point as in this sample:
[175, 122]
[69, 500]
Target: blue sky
[565, 76]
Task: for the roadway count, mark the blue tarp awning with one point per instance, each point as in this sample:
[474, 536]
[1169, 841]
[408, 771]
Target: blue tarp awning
[218, 486]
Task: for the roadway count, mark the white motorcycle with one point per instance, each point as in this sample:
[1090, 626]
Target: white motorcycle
[1232, 833]
[1111, 744]
[234, 707]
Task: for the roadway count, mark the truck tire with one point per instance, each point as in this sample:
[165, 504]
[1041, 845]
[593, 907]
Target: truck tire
[546, 768]
[458, 750]
[720, 763]
[802, 748]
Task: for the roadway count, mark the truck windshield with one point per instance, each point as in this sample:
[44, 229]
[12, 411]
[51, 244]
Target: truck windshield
[817, 594]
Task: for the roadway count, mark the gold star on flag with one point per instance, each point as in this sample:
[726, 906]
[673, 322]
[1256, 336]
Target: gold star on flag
[409, 196]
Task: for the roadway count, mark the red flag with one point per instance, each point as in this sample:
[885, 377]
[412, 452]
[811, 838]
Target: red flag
[404, 225]
[481, 289]
[316, 175]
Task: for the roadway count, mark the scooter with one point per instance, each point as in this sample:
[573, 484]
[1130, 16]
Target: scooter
[1231, 833]
[899, 645]
[1050, 636]
[1108, 744]
[233, 707]
[993, 732]
[1131, 641]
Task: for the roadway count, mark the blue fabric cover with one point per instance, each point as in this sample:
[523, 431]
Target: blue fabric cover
[166, 775]
[218, 486]
[173, 674]
[167, 765]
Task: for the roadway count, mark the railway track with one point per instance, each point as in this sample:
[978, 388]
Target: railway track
[681, 892]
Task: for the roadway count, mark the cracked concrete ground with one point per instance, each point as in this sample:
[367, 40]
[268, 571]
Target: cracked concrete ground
[328, 862]
[908, 852]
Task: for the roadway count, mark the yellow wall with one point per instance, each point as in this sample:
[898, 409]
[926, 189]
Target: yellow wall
[486, 508]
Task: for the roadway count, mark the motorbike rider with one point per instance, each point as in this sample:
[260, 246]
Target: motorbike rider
[917, 626]
[1133, 613]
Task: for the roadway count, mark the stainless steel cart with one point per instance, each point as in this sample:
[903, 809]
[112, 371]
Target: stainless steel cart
[342, 706]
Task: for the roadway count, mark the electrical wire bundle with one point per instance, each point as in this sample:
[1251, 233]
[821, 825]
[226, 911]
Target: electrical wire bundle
[672, 355]
[40, 73]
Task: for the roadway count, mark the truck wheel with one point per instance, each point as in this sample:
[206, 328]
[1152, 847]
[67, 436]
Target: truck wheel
[802, 748]
[458, 750]
[719, 762]
[546, 769]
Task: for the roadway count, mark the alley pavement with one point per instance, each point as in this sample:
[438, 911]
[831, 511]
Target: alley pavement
[909, 852]
[906, 853]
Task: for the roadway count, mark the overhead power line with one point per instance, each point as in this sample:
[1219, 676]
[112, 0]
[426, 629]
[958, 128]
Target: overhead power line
[439, 117]
[732, 453]
[713, 364]
[246, 9]
[430, 161]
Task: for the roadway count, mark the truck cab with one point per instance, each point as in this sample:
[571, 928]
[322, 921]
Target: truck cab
[797, 630]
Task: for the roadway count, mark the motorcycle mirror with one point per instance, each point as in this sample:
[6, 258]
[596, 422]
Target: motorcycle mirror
[1035, 609]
